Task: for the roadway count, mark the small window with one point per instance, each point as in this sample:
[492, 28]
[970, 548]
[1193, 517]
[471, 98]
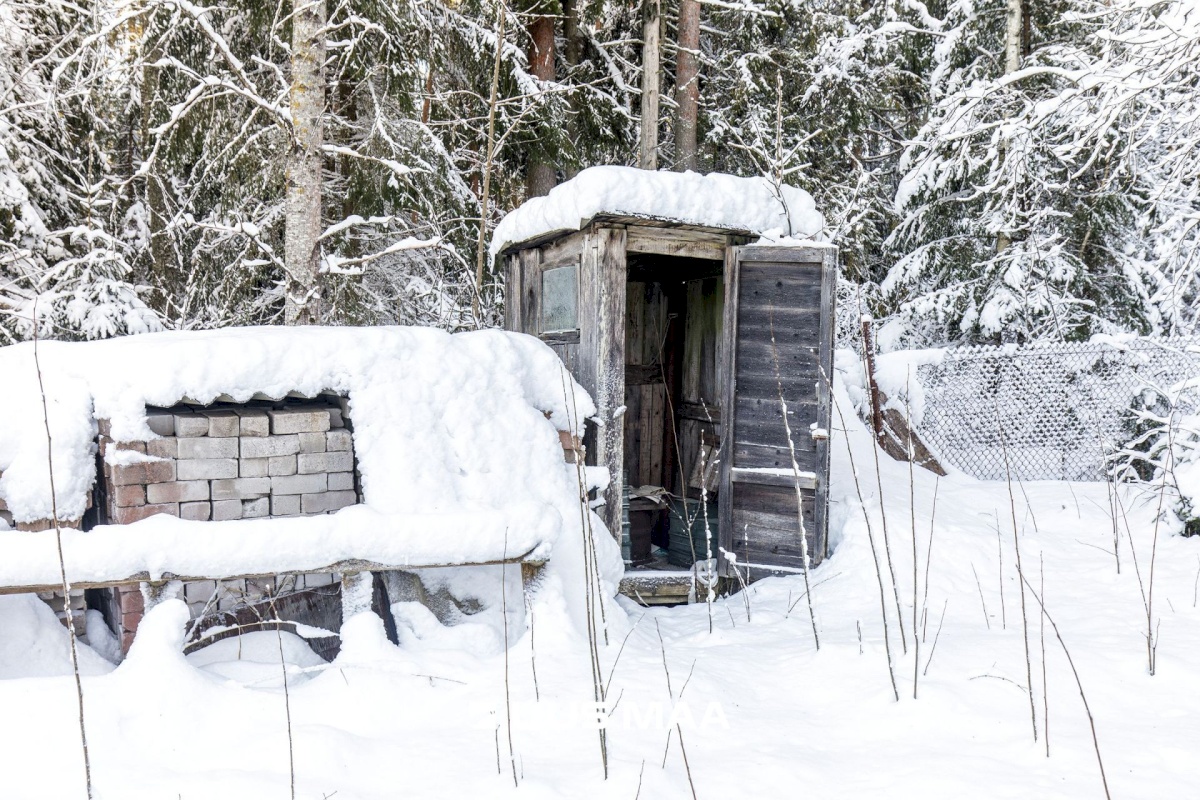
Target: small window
[560, 299]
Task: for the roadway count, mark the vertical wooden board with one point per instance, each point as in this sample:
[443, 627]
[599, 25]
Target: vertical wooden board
[655, 324]
[635, 321]
[655, 443]
[633, 427]
[824, 398]
[693, 342]
[727, 378]
[608, 286]
[512, 292]
[531, 290]
[714, 297]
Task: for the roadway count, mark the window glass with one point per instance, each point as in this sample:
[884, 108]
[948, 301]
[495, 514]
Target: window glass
[560, 299]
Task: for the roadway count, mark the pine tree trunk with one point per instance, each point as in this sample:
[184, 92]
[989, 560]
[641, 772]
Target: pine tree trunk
[302, 228]
[651, 80]
[539, 180]
[574, 57]
[687, 83]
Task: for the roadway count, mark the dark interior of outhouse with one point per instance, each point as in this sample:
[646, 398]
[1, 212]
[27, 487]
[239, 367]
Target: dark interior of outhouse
[674, 309]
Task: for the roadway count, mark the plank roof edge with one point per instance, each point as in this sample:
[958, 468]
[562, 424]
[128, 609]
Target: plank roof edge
[621, 219]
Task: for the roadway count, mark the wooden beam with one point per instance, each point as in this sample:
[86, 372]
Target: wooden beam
[676, 242]
[344, 566]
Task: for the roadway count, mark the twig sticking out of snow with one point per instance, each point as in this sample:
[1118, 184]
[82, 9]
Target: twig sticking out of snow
[1078, 684]
[592, 593]
[678, 728]
[868, 351]
[912, 511]
[887, 646]
[287, 699]
[1012, 504]
[512, 756]
[66, 585]
[982, 602]
[787, 429]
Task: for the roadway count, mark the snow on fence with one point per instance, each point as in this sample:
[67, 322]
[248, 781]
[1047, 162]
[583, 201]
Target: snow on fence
[1056, 409]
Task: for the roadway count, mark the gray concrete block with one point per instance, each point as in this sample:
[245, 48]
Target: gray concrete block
[165, 447]
[205, 469]
[191, 425]
[336, 419]
[270, 446]
[253, 509]
[310, 463]
[208, 447]
[338, 440]
[312, 442]
[226, 509]
[201, 511]
[161, 422]
[299, 420]
[285, 505]
[341, 481]
[198, 591]
[241, 488]
[254, 422]
[322, 502]
[185, 491]
[223, 422]
[281, 465]
[298, 484]
[254, 467]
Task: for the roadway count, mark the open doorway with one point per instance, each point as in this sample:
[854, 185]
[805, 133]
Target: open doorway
[673, 325]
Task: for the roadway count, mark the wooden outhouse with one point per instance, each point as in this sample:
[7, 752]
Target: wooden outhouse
[692, 342]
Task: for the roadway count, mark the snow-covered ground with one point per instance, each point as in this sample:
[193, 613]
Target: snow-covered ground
[761, 711]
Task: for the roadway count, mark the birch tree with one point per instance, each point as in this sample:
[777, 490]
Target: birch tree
[302, 232]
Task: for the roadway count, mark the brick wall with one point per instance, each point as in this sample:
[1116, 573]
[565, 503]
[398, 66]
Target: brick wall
[234, 463]
[226, 463]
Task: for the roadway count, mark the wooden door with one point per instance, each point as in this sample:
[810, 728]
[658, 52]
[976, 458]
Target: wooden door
[778, 353]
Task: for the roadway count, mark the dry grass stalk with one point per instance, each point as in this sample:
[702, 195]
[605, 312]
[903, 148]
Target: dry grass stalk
[868, 352]
[912, 511]
[887, 646]
[929, 553]
[592, 594]
[678, 728]
[287, 696]
[936, 636]
[1042, 640]
[1012, 504]
[982, 602]
[62, 564]
[787, 428]
[512, 756]
[1078, 684]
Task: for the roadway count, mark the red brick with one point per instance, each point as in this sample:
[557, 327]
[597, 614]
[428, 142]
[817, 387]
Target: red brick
[129, 496]
[124, 516]
[143, 472]
[130, 600]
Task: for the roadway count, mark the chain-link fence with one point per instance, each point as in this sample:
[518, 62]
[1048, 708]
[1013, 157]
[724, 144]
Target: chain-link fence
[1054, 409]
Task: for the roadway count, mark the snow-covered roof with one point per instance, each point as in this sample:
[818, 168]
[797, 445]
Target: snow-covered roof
[757, 205]
[457, 458]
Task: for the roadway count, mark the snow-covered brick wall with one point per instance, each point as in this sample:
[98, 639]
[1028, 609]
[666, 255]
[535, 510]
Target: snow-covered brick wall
[456, 440]
[718, 201]
[232, 463]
